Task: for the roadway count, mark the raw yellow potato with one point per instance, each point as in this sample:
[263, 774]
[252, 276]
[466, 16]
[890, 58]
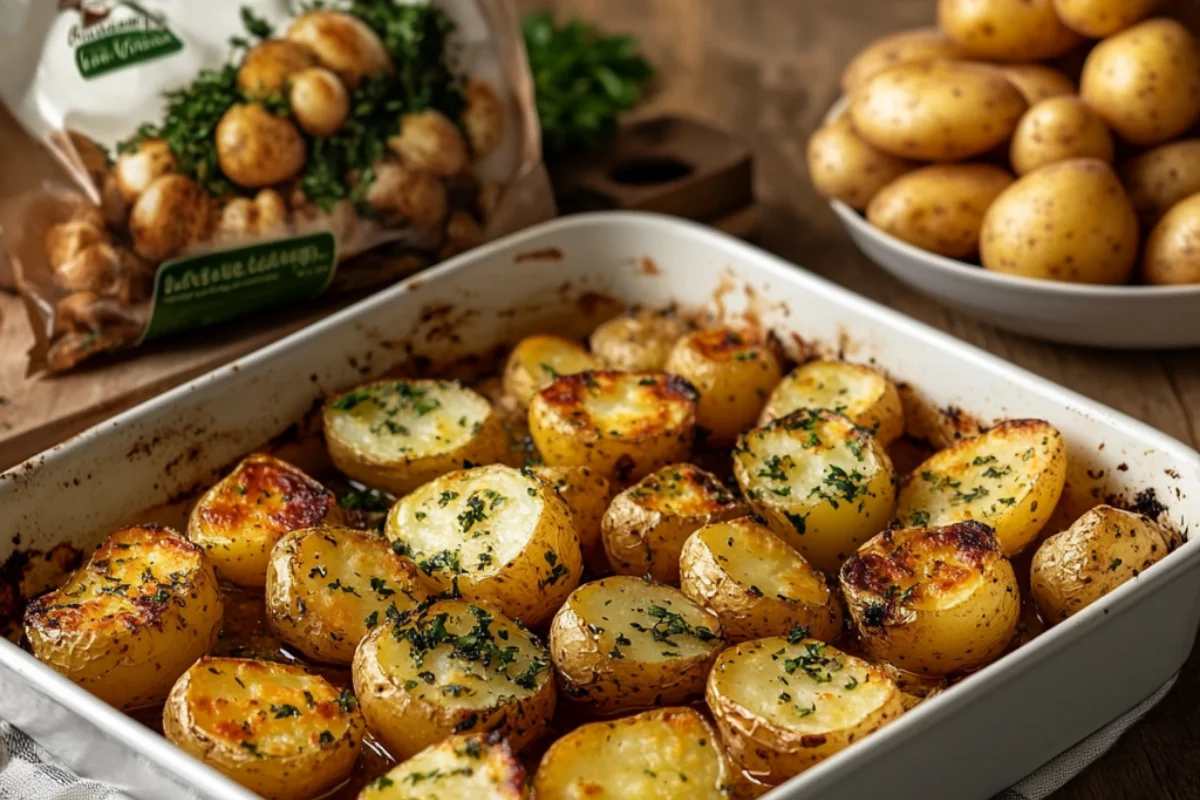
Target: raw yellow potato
[256, 148]
[639, 340]
[1068, 221]
[626, 643]
[664, 754]
[342, 43]
[1102, 18]
[483, 117]
[496, 534]
[733, 369]
[624, 425]
[823, 484]
[453, 667]
[136, 169]
[537, 360]
[1057, 129]
[1009, 478]
[278, 730]
[587, 494]
[1006, 30]
[939, 208]
[319, 101]
[844, 166]
[1160, 178]
[862, 394]
[401, 196]
[429, 141]
[933, 601]
[171, 214]
[1036, 82]
[905, 47]
[1102, 550]
[937, 110]
[463, 766]
[240, 519]
[785, 704]
[268, 65]
[645, 527]
[399, 434]
[755, 583]
[1145, 81]
[127, 623]
[328, 586]
[1172, 254]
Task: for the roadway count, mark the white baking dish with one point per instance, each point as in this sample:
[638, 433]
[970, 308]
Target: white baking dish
[973, 740]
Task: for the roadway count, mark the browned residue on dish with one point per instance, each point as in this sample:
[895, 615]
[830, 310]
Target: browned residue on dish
[545, 254]
[650, 266]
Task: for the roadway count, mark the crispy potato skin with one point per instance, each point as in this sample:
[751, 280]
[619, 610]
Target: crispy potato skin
[342, 43]
[905, 47]
[844, 166]
[1171, 256]
[1006, 30]
[863, 394]
[1102, 550]
[587, 495]
[933, 601]
[240, 519]
[465, 766]
[1159, 178]
[664, 754]
[637, 341]
[132, 619]
[537, 360]
[255, 722]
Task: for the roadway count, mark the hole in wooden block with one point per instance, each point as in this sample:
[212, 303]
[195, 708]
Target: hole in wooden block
[645, 172]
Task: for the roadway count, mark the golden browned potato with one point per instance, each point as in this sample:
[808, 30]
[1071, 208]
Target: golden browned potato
[937, 110]
[1036, 82]
[483, 118]
[905, 47]
[268, 65]
[104, 269]
[863, 394]
[256, 148]
[271, 210]
[939, 208]
[278, 730]
[537, 360]
[664, 754]
[239, 520]
[400, 195]
[328, 586]
[624, 425]
[1145, 81]
[637, 340]
[1057, 129]
[136, 169]
[471, 767]
[625, 643]
[822, 483]
[130, 621]
[453, 667]
[785, 704]
[1101, 18]
[755, 583]
[399, 434]
[933, 601]
[1029, 230]
[733, 369]
[172, 213]
[342, 43]
[1172, 254]
[1160, 178]
[587, 494]
[1102, 550]
[844, 166]
[429, 141]
[318, 100]
[1006, 30]
[496, 534]
[66, 240]
[1009, 478]
[645, 527]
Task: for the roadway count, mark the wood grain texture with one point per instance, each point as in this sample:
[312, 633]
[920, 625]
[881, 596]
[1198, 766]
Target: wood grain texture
[767, 70]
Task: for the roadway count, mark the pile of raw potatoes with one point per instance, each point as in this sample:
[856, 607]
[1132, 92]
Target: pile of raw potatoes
[1033, 173]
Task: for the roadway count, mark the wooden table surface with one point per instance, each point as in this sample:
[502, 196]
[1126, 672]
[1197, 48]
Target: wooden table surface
[767, 70]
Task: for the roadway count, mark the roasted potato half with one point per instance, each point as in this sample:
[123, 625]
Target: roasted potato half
[756, 583]
[453, 667]
[396, 435]
[127, 623]
[664, 754]
[733, 370]
[639, 340]
[328, 586]
[1101, 550]
[933, 601]
[275, 728]
[499, 534]
[822, 483]
[239, 520]
[587, 494]
[537, 360]
[862, 394]
[1010, 479]
[464, 766]
[785, 704]
[645, 527]
[624, 425]
[627, 643]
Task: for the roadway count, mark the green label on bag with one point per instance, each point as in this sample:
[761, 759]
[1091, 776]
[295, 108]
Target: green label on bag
[125, 35]
[195, 291]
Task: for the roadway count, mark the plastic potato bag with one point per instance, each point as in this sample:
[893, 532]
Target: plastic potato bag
[228, 156]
